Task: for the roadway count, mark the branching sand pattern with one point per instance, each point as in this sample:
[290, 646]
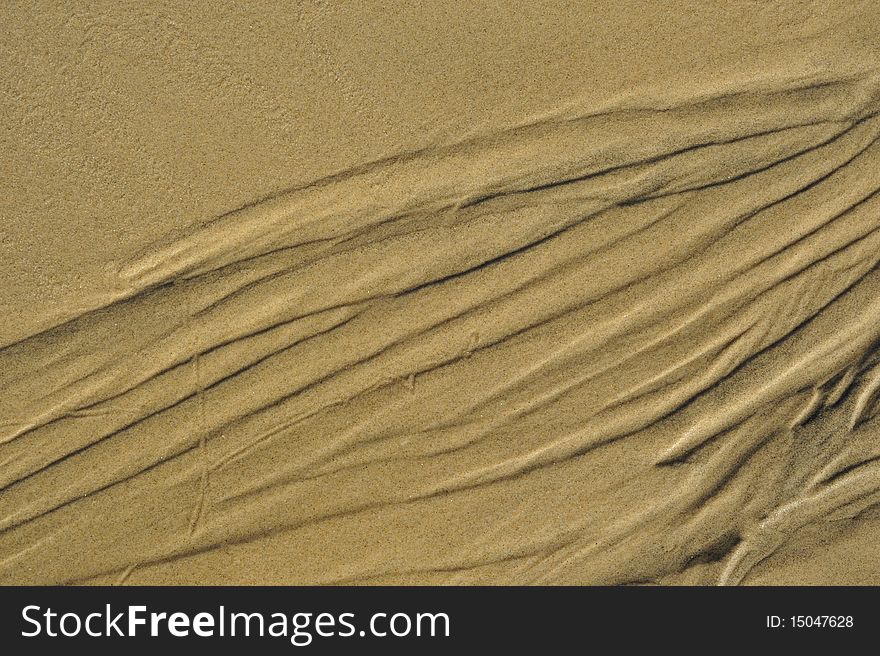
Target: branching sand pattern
[632, 343]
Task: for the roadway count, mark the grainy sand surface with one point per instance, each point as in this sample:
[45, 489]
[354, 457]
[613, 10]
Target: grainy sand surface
[444, 292]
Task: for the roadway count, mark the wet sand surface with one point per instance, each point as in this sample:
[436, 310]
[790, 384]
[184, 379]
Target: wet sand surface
[571, 293]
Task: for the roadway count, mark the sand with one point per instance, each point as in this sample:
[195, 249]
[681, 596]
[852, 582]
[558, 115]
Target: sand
[440, 293]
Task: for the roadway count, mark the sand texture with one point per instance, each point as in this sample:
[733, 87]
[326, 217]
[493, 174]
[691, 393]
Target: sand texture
[444, 293]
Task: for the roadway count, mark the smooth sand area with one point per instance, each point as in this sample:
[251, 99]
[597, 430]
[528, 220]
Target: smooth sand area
[440, 292]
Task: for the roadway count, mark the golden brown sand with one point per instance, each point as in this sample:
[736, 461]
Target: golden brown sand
[448, 292]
